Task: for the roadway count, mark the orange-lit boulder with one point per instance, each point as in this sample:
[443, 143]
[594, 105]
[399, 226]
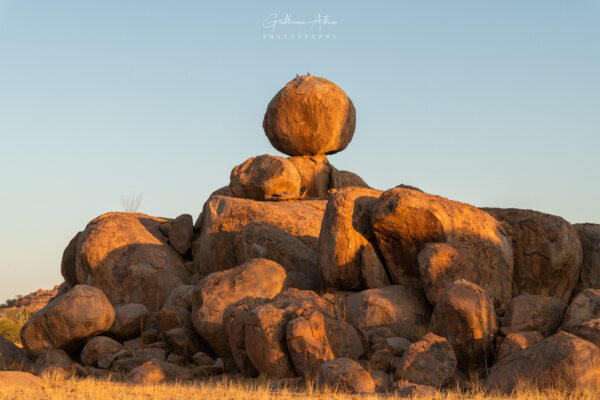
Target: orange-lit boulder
[314, 173]
[528, 312]
[515, 342]
[266, 177]
[405, 220]
[339, 179]
[68, 321]
[223, 217]
[346, 374]
[345, 232]
[256, 278]
[127, 257]
[310, 116]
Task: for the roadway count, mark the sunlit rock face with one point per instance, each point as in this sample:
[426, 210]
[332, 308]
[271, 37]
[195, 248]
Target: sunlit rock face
[310, 116]
[128, 258]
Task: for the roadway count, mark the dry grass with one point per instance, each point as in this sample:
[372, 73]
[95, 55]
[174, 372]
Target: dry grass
[59, 388]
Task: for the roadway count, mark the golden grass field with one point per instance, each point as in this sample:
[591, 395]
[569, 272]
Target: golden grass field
[59, 388]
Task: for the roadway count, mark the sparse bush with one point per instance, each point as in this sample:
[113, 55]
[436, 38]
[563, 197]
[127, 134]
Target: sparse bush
[131, 202]
[11, 322]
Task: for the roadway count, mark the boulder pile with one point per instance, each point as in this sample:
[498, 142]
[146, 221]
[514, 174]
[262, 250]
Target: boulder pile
[299, 270]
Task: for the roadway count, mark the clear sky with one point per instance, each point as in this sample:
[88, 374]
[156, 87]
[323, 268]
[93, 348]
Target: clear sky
[494, 103]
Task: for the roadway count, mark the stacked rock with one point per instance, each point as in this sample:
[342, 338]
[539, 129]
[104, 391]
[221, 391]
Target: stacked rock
[296, 270]
[307, 119]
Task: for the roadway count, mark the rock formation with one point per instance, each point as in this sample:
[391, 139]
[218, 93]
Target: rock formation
[297, 270]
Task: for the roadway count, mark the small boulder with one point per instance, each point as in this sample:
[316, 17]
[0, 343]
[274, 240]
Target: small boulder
[68, 267]
[465, 317]
[68, 321]
[181, 296]
[588, 330]
[382, 380]
[265, 178]
[406, 389]
[130, 320]
[183, 341]
[345, 231]
[346, 374]
[528, 312]
[310, 116]
[584, 307]
[180, 232]
[201, 358]
[589, 235]
[314, 174]
[547, 252]
[403, 310]
[98, 347]
[54, 360]
[560, 361]
[339, 179]
[11, 356]
[256, 278]
[429, 361]
[307, 343]
[148, 373]
[170, 317]
[516, 342]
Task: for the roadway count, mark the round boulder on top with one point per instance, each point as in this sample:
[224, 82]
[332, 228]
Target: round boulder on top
[310, 116]
[266, 177]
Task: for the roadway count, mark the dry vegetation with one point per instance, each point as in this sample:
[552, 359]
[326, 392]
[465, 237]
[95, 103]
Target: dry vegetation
[59, 388]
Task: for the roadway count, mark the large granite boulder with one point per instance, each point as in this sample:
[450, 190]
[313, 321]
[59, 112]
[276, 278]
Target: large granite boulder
[224, 217]
[547, 252]
[256, 278]
[127, 257]
[528, 312]
[130, 320]
[345, 232]
[560, 361]
[310, 116]
[465, 316]
[589, 235]
[261, 240]
[405, 220]
[266, 177]
[307, 343]
[403, 310]
[68, 321]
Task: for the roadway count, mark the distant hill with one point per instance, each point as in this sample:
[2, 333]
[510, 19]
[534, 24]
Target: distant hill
[15, 312]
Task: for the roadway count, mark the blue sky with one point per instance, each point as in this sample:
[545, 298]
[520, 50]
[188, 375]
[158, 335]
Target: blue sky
[493, 103]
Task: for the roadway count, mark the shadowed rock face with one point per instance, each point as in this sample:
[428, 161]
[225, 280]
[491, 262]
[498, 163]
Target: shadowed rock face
[11, 355]
[310, 116]
[589, 235]
[528, 312]
[465, 316]
[68, 321]
[314, 173]
[403, 310]
[562, 360]
[405, 221]
[127, 257]
[224, 217]
[266, 177]
[547, 252]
